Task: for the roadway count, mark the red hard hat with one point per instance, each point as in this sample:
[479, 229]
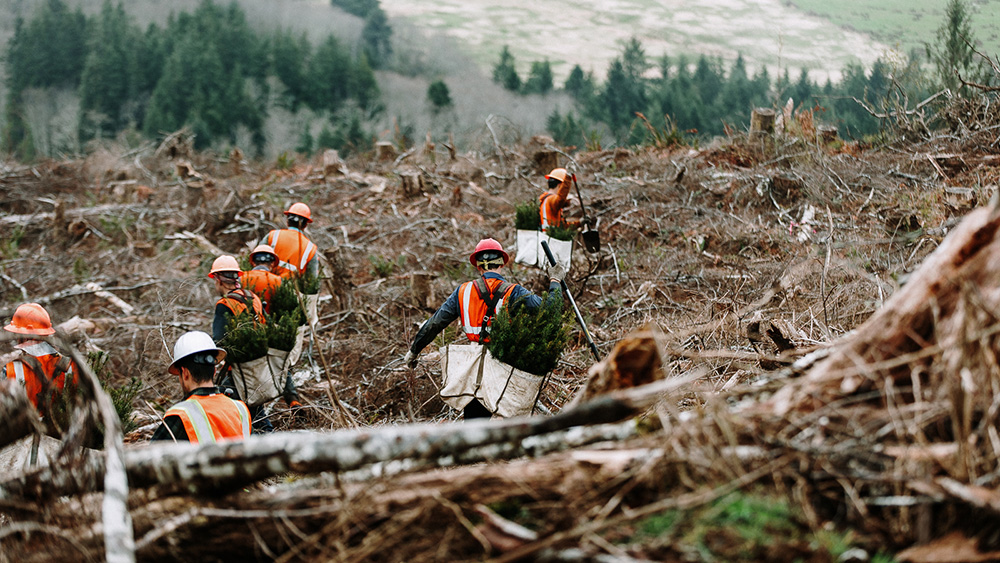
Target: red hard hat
[30, 318]
[488, 244]
[302, 210]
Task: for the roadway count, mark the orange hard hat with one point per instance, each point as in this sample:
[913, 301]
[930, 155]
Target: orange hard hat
[300, 209]
[224, 263]
[31, 318]
[488, 244]
[263, 249]
[557, 174]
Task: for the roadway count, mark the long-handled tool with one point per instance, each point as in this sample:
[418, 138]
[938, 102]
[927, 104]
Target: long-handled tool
[579, 317]
[591, 237]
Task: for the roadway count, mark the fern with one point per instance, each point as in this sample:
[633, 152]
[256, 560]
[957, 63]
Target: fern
[531, 340]
[526, 216]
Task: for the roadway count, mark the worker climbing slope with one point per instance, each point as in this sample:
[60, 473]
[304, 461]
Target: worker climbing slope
[261, 279]
[295, 252]
[476, 302]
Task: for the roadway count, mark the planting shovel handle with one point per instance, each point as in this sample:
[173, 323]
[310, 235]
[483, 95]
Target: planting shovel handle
[576, 310]
[580, 195]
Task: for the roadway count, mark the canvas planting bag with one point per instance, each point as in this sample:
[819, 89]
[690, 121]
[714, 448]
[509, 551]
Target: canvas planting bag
[262, 380]
[470, 371]
[531, 253]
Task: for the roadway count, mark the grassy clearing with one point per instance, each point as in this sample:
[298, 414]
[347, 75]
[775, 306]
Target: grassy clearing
[567, 32]
[907, 24]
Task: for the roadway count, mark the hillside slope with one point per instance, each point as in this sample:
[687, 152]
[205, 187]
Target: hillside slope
[699, 242]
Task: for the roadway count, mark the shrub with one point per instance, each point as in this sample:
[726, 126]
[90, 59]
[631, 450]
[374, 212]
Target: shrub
[561, 233]
[526, 216]
[245, 339]
[531, 340]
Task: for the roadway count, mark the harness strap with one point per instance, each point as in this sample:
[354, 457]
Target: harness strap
[491, 298]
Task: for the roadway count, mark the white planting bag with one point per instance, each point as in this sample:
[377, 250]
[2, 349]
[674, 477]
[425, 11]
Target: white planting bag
[531, 253]
[470, 371]
[262, 380]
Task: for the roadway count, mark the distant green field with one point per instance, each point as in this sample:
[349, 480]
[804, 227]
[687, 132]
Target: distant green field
[907, 24]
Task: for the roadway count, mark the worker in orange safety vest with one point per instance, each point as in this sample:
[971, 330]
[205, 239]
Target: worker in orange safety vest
[296, 253]
[206, 414]
[261, 279]
[39, 367]
[233, 299]
[552, 202]
[476, 303]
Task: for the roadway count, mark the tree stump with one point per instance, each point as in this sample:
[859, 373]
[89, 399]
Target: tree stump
[762, 122]
[340, 279]
[826, 133]
[421, 290]
[236, 161]
[412, 184]
[384, 151]
[545, 161]
[332, 165]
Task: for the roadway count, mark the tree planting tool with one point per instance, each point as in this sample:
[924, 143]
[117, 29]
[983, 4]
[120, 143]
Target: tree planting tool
[576, 310]
[591, 237]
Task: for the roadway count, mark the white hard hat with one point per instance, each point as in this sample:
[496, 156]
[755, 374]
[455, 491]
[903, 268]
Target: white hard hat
[192, 343]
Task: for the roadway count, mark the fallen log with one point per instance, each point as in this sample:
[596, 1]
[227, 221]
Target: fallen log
[198, 468]
[17, 417]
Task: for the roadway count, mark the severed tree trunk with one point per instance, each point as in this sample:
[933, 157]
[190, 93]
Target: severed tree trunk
[196, 468]
[762, 121]
[924, 319]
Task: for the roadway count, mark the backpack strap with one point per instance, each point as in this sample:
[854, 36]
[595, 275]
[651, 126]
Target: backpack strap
[491, 298]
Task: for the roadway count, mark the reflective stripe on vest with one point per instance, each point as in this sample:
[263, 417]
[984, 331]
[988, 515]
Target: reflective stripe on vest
[472, 307]
[543, 209]
[288, 261]
[198, 421]
[237, 306]
[18, 371]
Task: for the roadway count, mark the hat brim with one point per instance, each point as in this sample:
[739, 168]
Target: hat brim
[506, 257]
[31, 331]
[308, 220]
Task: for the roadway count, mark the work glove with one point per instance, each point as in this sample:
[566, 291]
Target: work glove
[410, 359]
[556, 271]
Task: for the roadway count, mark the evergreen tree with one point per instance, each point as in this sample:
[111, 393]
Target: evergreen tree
[376, 38]
[737, 93]
[330, 76]
[109, 80]
[305, 142]
[539, 78]
[289, 57]
[363, 86]
[802, 91]
[952, 56]
[505, 73]
[439, 96]
[360, 8]
[579, 85]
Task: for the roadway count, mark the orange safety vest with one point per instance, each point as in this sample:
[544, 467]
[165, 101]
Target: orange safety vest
[262, 283]
[26, 370]
[473, 309]
[212, 418]
[236, 301]
[293, 249]
[550, 206]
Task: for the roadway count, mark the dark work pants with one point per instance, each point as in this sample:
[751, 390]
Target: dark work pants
[475, 409]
